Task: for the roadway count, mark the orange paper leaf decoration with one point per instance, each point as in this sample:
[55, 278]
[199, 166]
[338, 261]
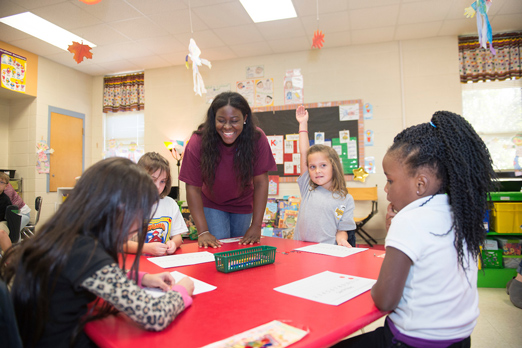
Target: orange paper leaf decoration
[90, 2]
[80, 51]
[318, 39]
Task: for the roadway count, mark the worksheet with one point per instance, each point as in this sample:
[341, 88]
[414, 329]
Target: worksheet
[328, 287]
[331, 250]
[182, 259]
[199, 286]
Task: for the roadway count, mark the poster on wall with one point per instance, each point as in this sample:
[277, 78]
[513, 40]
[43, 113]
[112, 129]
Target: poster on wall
[264, 91]
[213, 91]
[255, 71]
[293, 87]
[13, 68]
[246, 89]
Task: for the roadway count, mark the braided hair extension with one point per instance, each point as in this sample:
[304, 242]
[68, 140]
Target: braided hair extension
[245, 143]
[450, 147]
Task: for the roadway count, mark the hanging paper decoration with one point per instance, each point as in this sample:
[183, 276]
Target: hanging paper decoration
[481, 7]
[90, 2]
[194, 53]
[80, 51]
[42, 164]
[318, 39]
[360, 174]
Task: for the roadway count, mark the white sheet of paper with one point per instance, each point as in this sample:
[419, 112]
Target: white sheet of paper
[331, 249]
[328, 287]
[230, 240]
[182, 259]
[199, 286]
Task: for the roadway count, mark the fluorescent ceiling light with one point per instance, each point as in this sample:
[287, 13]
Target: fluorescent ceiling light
[44, 30]
[269, 10]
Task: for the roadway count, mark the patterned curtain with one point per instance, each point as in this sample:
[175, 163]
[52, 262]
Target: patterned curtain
[478, 64]
[124, 93]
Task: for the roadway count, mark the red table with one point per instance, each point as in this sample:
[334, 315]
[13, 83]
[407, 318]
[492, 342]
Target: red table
[245, 299]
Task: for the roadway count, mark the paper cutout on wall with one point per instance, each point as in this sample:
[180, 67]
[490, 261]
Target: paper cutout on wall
[112, 151]
[517, 161]
[194, 53]
[273, 184]
[293, 87]
[42, 150]
[368, 138]
[369, 164]
[368, 111]
[360, 174]
[80, 51]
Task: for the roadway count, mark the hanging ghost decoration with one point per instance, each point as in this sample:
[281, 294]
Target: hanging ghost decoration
[481, 7]
[194, 53]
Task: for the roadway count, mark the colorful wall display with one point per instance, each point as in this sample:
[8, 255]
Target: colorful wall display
[13, 71]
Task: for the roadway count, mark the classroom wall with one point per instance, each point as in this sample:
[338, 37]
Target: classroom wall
[4, 133]
[406, 82]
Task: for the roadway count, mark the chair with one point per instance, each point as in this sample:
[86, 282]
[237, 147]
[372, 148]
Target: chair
[8, 326]
[13, 222]
[29, 230]
[365, 194]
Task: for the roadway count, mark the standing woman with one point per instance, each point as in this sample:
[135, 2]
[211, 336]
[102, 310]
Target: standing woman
[225, 169]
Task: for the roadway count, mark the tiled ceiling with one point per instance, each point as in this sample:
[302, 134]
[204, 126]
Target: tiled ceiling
[135, 35]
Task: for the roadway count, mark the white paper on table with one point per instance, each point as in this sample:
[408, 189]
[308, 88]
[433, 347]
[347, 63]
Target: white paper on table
[328, 287]
[182, 259]
[331, 250]
[279, 334]
[230, 240]
[199, 286]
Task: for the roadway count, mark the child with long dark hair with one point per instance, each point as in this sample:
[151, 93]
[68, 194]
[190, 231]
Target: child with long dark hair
[73, 259]
[225, 168]
[438, 175]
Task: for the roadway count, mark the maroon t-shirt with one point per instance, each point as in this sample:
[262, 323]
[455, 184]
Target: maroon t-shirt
[225, 195]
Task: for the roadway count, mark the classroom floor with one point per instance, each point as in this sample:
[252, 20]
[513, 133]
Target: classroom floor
[499, 323]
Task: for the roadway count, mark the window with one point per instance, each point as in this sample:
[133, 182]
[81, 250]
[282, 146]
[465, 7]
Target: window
[495, 111]
[124, 134]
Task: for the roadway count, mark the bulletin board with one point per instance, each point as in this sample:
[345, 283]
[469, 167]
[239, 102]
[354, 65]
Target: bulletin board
[323, 117]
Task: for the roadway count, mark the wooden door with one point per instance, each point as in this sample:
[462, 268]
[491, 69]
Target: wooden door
[66, 138]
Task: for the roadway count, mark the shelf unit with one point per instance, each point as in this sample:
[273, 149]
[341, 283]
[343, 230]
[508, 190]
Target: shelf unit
[62, 193]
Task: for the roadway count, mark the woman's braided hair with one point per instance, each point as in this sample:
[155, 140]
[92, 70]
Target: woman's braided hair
[459, 158]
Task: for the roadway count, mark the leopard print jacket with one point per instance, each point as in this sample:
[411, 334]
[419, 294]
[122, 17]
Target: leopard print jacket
[111, 284]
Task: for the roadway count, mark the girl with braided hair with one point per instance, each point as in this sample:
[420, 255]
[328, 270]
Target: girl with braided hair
[438, 178]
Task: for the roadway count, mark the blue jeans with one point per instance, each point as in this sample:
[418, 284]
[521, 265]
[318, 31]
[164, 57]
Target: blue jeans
[226, 225]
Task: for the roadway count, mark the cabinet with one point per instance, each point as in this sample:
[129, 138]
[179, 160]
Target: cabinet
[62, 192]
[493, 277]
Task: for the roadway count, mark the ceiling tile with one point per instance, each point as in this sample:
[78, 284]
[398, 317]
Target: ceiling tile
[355, 4]
[374, 35]
[204, 39]
[119, 67]
[285, 28]
[178, 22]
[8, 34]
[138, 28]
[130, 50]
[335, 39]
[506, 22]
[328, 23]
[31, 4]
[36, 46]
[67, 59]
[219, 53]
[66, 15]
[508, 6]
[9, 8]
[101, 34]
[94, 70]
[149, 7]
[376, 17]
[239, 35]
[252, 49]
[162, 45]
[110, 10]
[417, 30]
[174, 59]
[149, 62]
[458, 27]
[309, 7]
[103, 54]
[223, 15]
[427, 11]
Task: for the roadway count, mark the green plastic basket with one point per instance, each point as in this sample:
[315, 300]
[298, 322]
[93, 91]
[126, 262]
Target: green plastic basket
[237, 260]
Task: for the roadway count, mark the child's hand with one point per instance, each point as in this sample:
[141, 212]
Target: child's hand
[188, 284]
[301, 115]
[155, 248]
[344, 243]
[171, 247]
[341, 237]
[164, 281]
[390, 213]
